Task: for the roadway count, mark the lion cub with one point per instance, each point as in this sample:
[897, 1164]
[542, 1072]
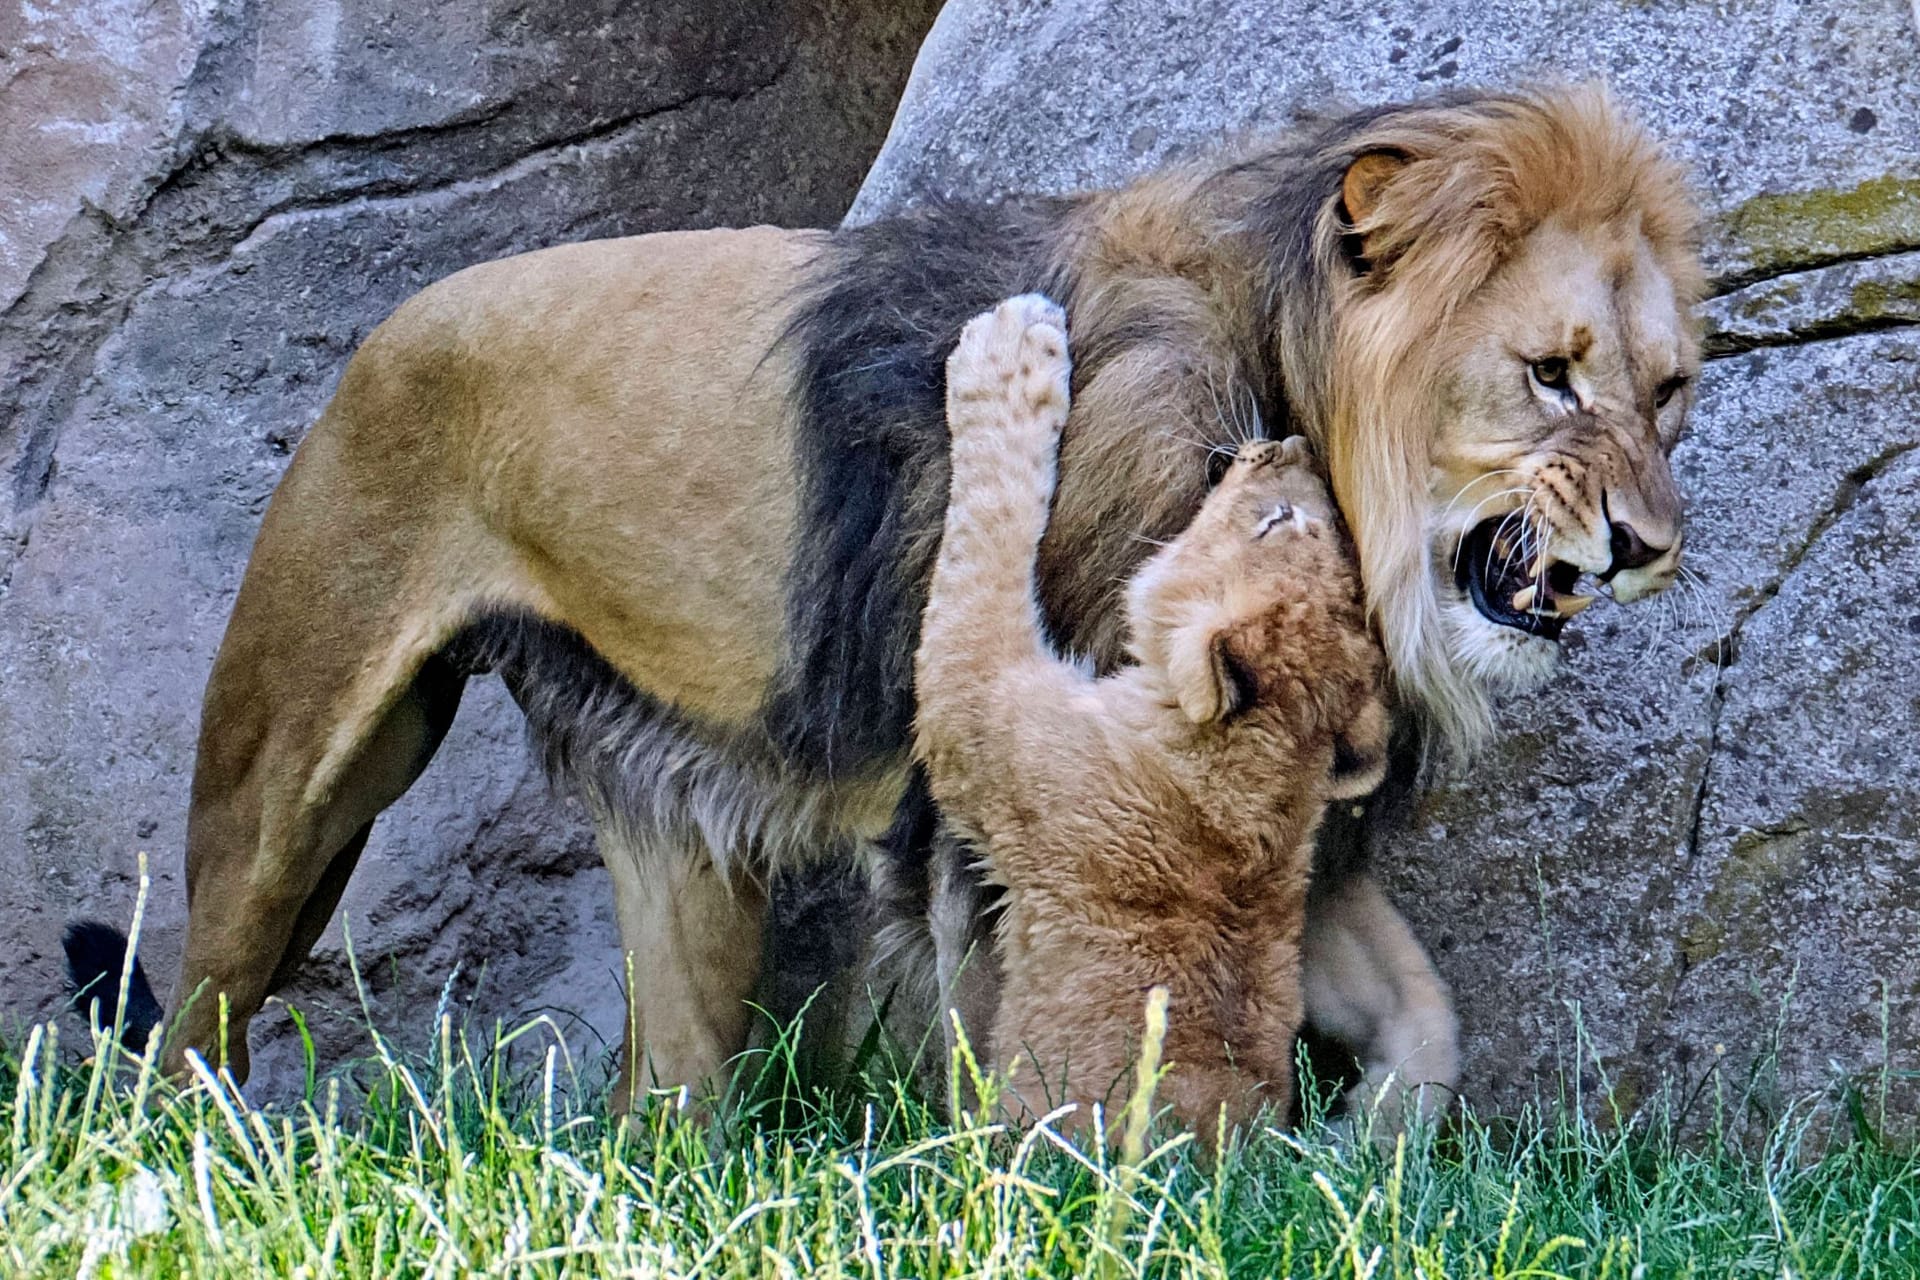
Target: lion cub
[1153, 827]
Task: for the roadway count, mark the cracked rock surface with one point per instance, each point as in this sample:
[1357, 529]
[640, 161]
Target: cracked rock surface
[203, 208]
[1696, 851]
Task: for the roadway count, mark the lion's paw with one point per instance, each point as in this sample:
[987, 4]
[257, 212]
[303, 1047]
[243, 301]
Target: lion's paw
[1009, 371]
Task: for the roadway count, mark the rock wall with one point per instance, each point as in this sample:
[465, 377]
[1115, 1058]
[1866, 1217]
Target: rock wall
[1699, 850]
[204, 207]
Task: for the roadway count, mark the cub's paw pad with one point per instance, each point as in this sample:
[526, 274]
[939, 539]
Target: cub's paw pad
[1289, 471]
[1015, 353]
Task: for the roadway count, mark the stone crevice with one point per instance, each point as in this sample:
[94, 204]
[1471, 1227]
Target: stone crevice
[1655, 1027]
[398, 190]
[1722, 346]
[1845, 496]
[1866, 294]
[1734, 281]
[610, 134]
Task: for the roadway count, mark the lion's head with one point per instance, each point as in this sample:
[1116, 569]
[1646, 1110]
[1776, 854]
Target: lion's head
[1512, 352]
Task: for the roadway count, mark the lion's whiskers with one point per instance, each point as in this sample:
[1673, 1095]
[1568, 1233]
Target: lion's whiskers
[1712, 614]
[1661, 623]
[1521, 544]
[1256, 429]
[1191, 441]
[1460, 544]
[1240, 432]
[1686, 609]
[1474, 483]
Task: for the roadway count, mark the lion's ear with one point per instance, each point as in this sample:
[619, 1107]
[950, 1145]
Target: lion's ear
[1360, 191]
[1209, 680]
[1366, 178]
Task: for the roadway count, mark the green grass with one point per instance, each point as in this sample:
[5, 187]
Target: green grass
[468, 1160]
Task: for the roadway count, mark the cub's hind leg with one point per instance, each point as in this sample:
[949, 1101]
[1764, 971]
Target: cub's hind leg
[1370, 984]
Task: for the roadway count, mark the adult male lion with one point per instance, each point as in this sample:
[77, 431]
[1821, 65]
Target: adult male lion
[683, 492]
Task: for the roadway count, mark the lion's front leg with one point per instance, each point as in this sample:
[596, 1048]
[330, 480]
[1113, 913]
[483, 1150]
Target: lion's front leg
[690, 938]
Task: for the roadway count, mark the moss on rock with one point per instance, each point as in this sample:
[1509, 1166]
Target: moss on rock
[1784, 230]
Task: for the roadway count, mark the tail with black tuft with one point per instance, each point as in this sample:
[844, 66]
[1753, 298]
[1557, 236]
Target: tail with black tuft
[96, 957]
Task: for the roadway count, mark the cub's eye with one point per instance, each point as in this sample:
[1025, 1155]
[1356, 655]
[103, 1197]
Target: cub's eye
[1219, 458]
[1668, 389]
[1551, 373]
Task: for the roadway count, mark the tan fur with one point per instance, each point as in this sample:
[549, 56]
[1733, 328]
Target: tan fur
[537, 433]
[601, 435]
[1369, 983]
[1154, 827]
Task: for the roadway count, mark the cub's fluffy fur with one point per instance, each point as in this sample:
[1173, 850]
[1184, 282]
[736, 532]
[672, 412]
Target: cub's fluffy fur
[1152, 828]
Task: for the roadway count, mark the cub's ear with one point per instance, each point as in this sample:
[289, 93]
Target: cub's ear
[1365, 182]
[1210, 681]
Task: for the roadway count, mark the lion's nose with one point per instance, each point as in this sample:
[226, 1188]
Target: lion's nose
[1630, 550]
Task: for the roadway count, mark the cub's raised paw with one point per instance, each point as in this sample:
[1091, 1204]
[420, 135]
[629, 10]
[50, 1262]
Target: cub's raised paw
[1009, 371]
[1294, 451]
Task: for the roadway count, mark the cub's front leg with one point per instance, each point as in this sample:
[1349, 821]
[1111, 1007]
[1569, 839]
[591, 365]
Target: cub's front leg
[984, 660]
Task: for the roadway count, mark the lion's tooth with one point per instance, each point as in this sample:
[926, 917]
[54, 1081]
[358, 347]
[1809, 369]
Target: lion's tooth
[1567, 606]
[1523, 599]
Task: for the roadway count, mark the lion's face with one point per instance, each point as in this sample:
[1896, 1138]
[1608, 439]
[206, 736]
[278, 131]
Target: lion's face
[1563, 388]
[1511, 361]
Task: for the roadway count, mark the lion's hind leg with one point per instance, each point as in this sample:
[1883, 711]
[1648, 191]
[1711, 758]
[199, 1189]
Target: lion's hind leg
[285, 793]
[328, 697]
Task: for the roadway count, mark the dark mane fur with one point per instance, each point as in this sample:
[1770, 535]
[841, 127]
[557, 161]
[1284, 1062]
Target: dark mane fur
[872, 344]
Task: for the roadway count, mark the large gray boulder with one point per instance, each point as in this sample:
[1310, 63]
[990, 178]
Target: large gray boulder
[1698, 850]
[203, 209]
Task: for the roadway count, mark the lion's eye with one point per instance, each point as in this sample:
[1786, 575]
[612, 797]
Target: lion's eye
[1551, 373]
[1668, 389]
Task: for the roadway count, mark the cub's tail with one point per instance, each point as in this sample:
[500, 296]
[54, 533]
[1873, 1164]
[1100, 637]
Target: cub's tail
[96, 957]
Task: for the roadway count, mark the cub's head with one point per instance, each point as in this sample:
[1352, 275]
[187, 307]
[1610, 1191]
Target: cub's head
[1253, 605]
[1511, 358]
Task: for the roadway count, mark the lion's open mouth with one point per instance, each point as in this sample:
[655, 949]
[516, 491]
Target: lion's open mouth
[1509, 588]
